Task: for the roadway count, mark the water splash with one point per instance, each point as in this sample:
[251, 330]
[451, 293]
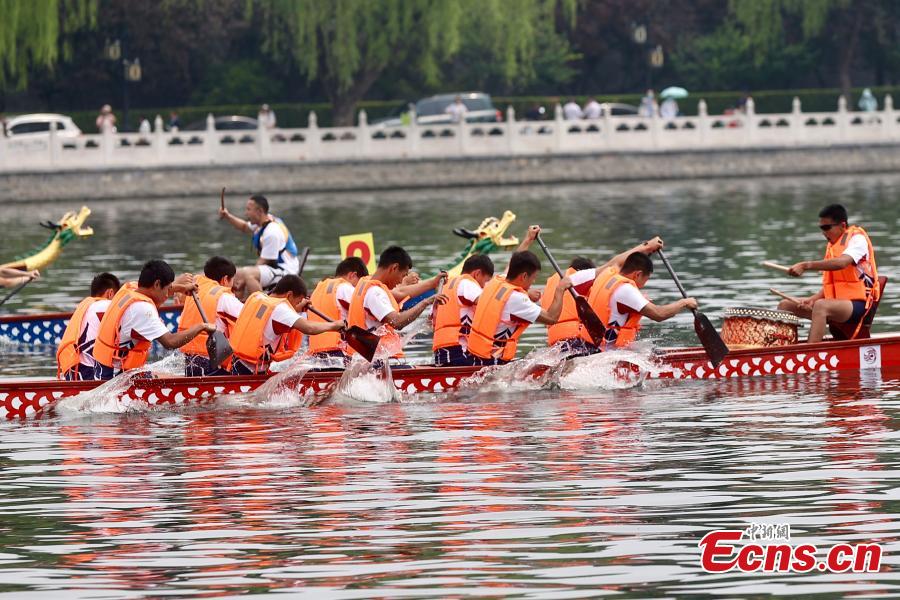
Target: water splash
[363, 382]
[112, 396]
[282, 390]
[612, 370]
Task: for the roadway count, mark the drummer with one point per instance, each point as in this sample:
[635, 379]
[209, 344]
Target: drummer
[849, 276]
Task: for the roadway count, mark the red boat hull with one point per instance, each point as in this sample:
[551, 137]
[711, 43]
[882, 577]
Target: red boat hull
[21, 399]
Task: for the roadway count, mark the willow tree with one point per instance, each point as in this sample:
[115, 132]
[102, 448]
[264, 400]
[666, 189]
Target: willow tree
[838, 22]
[32, 34]
[347, 44]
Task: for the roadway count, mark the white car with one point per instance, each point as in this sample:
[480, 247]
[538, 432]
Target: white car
[34, 130]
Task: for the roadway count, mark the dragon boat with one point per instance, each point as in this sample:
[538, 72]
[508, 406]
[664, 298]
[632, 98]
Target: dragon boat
[47, 328]
[24, 398]
[69, 227]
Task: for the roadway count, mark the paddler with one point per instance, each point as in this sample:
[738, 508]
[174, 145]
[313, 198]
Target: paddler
[271, 329]
[849, 276]
[505, 310]
[567, 333]
[272, 242]
[73, 356]
[375, 302]
[220, 305]
[614, 292]
[10, 277]
[453, 319]
[131, 322]
[332, 297]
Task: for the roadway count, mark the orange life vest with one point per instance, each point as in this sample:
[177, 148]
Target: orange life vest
[448, 325]
[324, 299]
[482, 340]
[68, 355]
[604, 286]
[106, 347]
[569, 325]
[847, 284]
[356, 315]
[209, 293]
[247, 335]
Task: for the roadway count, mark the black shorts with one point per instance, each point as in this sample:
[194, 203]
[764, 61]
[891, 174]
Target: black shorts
[859, 311]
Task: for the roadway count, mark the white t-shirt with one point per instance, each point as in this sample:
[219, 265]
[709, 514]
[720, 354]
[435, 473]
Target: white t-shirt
[628, 298]
[456, 111]
[377, 306]
[280, 323]
[572, 111]
[90, 327]
[592, 110]
[272, 242]
[519, 310]
[344, 296]
[858, 250]
[227, 309]
[140, 322]
[583, 280]
[468, 293]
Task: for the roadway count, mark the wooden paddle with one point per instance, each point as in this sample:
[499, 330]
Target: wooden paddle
[223, 199]
[364, 342]
[785, 296]
[586, 314]
[16, 290]
[304, 254]
[217, 345]
[709, 337]
[772, 265]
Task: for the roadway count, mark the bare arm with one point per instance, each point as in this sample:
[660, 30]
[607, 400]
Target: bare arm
[648, 247]
[308, 327]
[237, 223]
[401, 292]
[667, 311]
[832, 264]
[171, 341]
[399, 320]
[551, 315]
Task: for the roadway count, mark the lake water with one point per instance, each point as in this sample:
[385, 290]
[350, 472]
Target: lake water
[527, 492]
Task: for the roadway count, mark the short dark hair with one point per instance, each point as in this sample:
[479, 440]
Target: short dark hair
[351, 264]
[637, 261]
[218, 267]
[261, 201]
[523, 262]
[103, 282]
[580, 263]
[394, 255]
[156, 270]
[291, 283]
[479, 262]
[835, 212]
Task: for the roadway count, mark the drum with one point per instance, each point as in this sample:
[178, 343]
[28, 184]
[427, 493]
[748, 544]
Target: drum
[756, 327]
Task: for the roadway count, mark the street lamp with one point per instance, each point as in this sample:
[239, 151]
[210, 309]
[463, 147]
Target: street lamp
[114, 51]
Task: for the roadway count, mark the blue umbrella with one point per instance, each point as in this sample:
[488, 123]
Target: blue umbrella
[674, 92]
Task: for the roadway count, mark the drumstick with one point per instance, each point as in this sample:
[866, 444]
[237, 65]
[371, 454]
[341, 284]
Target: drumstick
[785, 296]
[223, 198]
[772, 265]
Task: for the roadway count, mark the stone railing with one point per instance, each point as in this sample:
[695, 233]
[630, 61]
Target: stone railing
[365, 142]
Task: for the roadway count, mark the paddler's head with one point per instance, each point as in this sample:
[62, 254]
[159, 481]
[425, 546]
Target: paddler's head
[637, 267]
[523, 269]
[293, 289]
[479, 267]
[579, 263]
[393, 265]
[833, 222]
[105, 285]
[351, 269]
[156, 280]
[257, 209]
[221, 270]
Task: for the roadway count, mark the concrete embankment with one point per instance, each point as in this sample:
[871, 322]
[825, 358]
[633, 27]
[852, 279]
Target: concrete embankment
[475, 171]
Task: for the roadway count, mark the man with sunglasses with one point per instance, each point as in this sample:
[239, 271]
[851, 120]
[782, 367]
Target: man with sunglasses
[849, 276]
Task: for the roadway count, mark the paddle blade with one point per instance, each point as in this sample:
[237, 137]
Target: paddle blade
[710, 338]
[218, 348]
[364, 342]
[590, 320]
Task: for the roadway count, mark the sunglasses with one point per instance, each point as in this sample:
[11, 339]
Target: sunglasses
[828, 226]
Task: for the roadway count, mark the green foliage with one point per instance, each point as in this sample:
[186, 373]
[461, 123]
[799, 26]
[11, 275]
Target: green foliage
[31, 31]
[242, 82]
[762, 21]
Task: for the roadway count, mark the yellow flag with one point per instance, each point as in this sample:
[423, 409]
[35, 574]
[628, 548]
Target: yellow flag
[361, 245]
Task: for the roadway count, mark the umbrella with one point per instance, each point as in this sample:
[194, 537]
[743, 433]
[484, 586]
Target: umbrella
[674, 92]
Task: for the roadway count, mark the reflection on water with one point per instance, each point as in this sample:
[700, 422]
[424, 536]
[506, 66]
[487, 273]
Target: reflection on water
[531, 494]
[501, 490]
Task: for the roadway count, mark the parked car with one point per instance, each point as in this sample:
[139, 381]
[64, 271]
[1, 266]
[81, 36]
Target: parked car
[37, 126]
[430, 111]
[617, 109]
[226, 123]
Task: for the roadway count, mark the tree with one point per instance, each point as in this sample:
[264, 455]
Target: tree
[348, 44]
[32, 34]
